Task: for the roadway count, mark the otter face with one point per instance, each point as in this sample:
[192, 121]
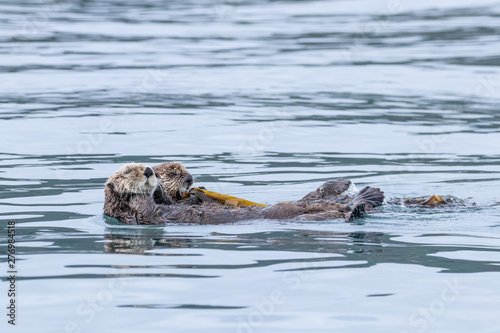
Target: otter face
[174, 180]
[133, 178]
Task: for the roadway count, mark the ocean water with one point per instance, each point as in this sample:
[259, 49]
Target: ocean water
[264, 100]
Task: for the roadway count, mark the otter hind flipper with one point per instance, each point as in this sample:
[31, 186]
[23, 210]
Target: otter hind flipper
[371, 196]
[357, 212]
[367, 198]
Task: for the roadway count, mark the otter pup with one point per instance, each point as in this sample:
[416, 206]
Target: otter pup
[129, 197]
[173, 181]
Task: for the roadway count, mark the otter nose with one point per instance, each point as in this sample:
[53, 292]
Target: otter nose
[188, 179]
[148, 172]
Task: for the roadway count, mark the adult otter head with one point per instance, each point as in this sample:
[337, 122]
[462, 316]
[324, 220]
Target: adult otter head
[173, 181]
[133, 178]
[128, 193]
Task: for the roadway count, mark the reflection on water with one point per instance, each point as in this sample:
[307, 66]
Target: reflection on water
[263, 100]
[231, 271]
[371, 247]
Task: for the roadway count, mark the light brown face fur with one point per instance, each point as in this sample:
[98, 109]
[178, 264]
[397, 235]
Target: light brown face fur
[173, 181]
[133, 178]
[128, 194]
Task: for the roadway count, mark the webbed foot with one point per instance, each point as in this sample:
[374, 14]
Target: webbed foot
[357, 212]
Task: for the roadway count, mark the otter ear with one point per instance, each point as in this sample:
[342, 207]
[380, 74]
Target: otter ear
[111, 186]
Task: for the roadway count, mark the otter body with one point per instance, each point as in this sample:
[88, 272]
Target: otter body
[134, 196]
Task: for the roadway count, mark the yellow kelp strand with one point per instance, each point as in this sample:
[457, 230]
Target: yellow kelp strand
[225, 199]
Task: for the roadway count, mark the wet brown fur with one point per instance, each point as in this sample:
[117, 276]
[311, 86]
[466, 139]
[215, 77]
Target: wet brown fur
[173, 181]
[128, 195]
[139, 206]
[329, 189]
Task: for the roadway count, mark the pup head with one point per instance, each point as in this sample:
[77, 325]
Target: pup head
[174, 180]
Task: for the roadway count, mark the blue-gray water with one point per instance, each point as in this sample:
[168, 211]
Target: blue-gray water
[264, 100]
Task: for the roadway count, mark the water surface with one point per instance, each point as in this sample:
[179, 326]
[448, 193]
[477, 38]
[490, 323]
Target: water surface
[264, 100]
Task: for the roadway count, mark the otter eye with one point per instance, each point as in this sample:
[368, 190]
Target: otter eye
[171, 174]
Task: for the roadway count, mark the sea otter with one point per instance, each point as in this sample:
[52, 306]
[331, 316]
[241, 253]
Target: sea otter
[128, 194]
[129, 197]
[173, 181]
